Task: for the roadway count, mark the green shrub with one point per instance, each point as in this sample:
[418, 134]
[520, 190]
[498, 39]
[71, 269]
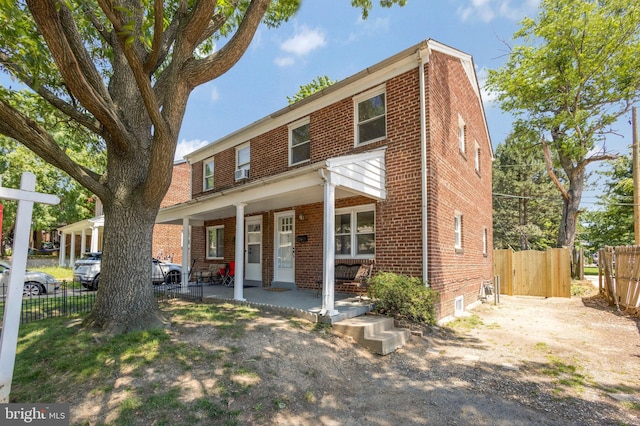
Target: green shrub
[403, 297]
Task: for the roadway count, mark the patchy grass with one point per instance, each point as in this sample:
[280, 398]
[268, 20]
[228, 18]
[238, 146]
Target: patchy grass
[63, 358]
[566, 375]
[590, 270]
[582, 288]
[541, 346]
[59, 272]
[465, 323]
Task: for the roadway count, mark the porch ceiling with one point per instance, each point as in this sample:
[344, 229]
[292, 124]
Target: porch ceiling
[294, 188]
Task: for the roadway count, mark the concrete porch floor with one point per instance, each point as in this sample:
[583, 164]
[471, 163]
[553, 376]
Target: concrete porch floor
[305, 304]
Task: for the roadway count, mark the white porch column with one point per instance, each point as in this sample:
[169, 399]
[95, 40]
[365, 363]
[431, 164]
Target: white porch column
[185, 254]
[83, 241]
[72, 250]
[95, 235]
[62, 259]
[328, 243]
[238, 290]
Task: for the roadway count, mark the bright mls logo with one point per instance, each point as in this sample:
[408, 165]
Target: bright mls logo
[34, 414]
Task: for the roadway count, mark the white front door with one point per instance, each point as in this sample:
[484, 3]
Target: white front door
[284, 247]
[253, 258]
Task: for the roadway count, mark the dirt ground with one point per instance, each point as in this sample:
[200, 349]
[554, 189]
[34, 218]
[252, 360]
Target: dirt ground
[525, 361]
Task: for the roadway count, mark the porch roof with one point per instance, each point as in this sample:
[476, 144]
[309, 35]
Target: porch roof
[358, 174]
[87, 225]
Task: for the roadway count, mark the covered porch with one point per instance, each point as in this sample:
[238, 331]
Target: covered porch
[299, 303]
[321, 183]
[92, 228]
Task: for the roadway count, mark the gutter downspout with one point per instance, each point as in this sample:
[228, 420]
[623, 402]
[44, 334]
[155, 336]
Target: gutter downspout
[423, 57]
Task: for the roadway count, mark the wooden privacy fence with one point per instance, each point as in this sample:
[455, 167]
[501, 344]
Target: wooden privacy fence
[619, 270]
[534, 273]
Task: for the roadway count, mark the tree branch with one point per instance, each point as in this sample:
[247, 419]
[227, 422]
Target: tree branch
[88, 122]
[198, 72]
[552, 174]
[57, 27]
[158, 19]
[37, 139]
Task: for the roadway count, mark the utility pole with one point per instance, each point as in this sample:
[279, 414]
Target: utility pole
[636, 176]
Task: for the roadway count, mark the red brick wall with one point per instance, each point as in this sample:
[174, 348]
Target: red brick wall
[455, 187]
[178, 190]
[167, 239]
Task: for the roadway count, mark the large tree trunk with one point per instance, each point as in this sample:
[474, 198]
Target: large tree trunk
[571, 209]
[125, 300]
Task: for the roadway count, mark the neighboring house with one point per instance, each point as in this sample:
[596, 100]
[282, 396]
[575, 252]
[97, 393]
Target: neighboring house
[391, 165]
[86, 235]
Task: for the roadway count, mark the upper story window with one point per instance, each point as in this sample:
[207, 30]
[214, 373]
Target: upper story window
[355, 232]
[243, 161]
[299, 142]
[462, 130]
[477, 157]
[207, 175]
[215, 242]
[371, 116]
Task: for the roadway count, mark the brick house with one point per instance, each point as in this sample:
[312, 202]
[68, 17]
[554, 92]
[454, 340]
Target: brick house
[391, 165]
[86, 235]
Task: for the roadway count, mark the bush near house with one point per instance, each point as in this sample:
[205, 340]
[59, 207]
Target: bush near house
[403, 297]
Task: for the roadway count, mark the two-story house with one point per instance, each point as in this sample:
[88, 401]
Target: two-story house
[391, 165]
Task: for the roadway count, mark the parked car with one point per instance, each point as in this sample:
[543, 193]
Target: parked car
[35, 282]
[86, 271]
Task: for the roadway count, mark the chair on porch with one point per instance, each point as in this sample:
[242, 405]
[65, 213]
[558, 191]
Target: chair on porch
[228, 274]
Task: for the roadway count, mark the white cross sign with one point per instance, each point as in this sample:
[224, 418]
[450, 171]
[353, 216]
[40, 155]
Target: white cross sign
[25, 196]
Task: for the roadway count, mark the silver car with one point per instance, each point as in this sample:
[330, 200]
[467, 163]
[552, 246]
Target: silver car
[86, 271]
[35, 282]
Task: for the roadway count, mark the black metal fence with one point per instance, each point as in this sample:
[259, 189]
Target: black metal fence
[70, 299]
[192, 292]
[63, 302]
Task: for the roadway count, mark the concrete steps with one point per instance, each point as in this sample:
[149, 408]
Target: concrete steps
[377, 334]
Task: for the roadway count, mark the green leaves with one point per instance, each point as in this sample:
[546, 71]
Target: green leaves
[307, 90]
[526, 205]
[565, 75]
[574, 71]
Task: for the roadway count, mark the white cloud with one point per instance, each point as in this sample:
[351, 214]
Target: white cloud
[365, 27]
[488, 10]
[185, 147]
[524, 8]
[215, 95]
[304, 41]
[284, 61]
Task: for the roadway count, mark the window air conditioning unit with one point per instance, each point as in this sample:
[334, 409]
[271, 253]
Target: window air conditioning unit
[242, 174]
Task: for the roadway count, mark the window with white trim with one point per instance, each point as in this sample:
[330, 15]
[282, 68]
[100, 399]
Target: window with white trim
[207, 175]
[243, 157]
[457, 231]
[215, 242]
[355, 232]
[371, 116]
[485, 241]
[477, 157]
[299, 142]
[461, 134]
